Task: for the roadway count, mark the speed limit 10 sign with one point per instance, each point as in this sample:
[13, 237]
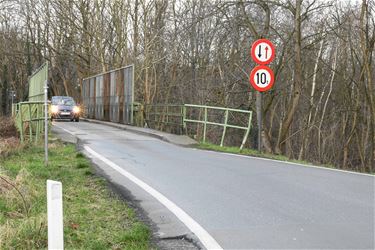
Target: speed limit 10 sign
[262, 78]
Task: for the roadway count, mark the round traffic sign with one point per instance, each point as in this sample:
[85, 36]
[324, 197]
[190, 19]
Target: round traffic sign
[262, 78]
[262, 51]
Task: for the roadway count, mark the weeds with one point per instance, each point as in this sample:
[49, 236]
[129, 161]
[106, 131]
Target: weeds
[94, 218]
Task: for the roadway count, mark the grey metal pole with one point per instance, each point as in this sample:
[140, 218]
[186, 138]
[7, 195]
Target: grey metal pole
[46, 123]
[259, 119]
[11, 107]
[12, 93]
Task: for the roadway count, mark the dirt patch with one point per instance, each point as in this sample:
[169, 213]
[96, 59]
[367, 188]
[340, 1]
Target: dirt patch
[7, 128]
[9, 136]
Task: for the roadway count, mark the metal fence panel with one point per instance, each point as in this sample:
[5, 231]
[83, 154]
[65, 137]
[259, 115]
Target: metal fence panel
[92, 98]
[110, 96]
[36, 83]
[128, 79]
[99, 98]
[114, 99]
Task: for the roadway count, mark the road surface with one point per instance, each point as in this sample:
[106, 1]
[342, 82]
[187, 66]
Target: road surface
[241, 202]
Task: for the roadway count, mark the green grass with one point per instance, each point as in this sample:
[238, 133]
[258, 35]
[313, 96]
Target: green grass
[94, 218]
[250, 152]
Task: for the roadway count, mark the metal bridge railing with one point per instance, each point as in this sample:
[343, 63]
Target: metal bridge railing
[174, 118]
[165, 117]
[225, 124]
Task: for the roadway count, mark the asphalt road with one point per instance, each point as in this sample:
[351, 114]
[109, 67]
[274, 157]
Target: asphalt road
[242, 202]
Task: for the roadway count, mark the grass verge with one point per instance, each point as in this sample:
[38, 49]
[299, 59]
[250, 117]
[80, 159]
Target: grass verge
[256, 153]
[249, 152]
[94, 218]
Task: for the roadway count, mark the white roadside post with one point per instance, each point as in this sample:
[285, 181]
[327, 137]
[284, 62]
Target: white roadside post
[55, 215]
[46, 123]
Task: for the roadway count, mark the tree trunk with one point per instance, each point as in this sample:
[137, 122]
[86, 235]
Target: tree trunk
[306, 135]
[297, 83]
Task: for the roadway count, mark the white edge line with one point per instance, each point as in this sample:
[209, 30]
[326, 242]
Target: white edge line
[206, 239]
[286, 162]
[70, 132]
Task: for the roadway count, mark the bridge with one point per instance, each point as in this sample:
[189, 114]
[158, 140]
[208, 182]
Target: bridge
[216, 200]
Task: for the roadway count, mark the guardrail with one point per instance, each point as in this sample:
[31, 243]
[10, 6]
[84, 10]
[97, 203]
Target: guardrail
[225, 125]
[30, 114]
[160, 116]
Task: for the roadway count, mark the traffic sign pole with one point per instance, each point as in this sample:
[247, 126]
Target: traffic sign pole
[261, 77]
[46, 123]
[259, 119]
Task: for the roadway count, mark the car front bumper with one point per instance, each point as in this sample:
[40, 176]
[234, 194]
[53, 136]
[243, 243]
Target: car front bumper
[65, 115]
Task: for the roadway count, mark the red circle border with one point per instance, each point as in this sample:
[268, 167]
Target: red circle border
[256, 87]
[269, 43]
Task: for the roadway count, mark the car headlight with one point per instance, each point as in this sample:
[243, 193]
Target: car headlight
[54, 109]
[76, 110]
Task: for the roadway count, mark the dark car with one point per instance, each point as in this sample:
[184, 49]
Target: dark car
[64, 107]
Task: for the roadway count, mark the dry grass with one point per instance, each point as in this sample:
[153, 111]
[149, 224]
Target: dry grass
[9, 137]
[7, 127]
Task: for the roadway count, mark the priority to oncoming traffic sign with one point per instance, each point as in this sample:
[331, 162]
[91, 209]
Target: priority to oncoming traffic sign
[262, 78]
[262, 51]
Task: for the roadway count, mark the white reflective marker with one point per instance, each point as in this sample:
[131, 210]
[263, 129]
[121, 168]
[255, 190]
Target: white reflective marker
[55, 215]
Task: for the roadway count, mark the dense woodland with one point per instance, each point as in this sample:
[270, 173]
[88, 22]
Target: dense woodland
[321, 108]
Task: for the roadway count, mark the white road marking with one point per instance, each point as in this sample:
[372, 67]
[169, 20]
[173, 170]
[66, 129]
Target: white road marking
[68, 131]
[207, 240]
[286, 162]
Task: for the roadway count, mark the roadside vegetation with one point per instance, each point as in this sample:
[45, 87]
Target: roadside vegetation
[94, 217]
[255, 153]
[246, 151]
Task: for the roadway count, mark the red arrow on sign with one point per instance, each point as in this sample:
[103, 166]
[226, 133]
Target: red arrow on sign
[262, 51]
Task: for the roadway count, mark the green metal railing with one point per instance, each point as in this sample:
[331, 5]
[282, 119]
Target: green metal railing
[29, 117]
[225, 125]
[160, 116]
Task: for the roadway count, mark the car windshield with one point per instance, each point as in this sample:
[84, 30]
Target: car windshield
[63, 101]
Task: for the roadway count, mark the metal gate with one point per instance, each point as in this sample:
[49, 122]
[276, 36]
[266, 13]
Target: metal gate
[109, 96]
